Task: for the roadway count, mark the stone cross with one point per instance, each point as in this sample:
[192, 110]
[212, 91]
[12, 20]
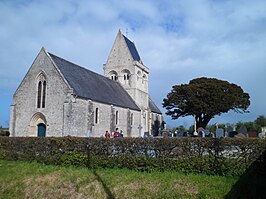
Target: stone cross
[243, 129]
[140, 127]
[127, 32]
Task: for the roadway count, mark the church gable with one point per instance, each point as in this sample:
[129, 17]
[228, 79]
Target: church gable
[25, 83]
[38, 69]
[43, 90]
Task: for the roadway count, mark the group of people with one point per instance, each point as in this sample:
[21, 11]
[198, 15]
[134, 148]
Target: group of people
[115, 134]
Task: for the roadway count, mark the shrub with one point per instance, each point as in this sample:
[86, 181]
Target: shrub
[4, 133]
[199, 155]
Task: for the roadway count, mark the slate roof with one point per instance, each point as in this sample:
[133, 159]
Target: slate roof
[132, 49]
[90, 85]
[153, 107]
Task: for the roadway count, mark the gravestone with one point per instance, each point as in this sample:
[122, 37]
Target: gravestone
[146, 134]
[207, 133]
[219, 133]
[165, 134]
[201, 134]
[252, 134]
[263, 132]
[243, 130]
[230, 129]
[232, 134]
[179, 134]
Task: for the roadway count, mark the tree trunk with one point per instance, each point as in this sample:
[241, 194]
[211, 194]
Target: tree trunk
[202, 121]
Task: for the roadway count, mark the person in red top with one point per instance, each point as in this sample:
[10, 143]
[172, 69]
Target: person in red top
[107, 135]
[116, 133]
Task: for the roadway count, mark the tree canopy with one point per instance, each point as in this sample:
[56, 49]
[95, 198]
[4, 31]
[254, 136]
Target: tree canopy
[205, 98]
[261, 121]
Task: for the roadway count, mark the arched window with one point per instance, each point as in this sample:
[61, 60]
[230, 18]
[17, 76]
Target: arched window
[138, 75]
[126, 75]
[43, 94]
[144, 78]
[39, 94]
[131, 119]
[96, 116]
[41, 90]
[116, 117]
[113, 75]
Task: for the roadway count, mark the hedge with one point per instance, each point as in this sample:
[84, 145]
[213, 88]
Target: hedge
[213, 156]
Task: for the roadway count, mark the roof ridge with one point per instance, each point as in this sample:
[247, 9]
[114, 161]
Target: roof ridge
[78, 65]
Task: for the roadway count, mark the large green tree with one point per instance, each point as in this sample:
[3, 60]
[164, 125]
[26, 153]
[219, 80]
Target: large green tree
[261, 121]
[205, 98]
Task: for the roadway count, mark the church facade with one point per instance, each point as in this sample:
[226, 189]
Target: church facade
[59, 98]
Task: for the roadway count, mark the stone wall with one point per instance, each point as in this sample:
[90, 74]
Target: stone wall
[107, 120]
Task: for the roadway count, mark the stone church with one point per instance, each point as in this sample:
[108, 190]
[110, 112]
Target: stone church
[60, 98]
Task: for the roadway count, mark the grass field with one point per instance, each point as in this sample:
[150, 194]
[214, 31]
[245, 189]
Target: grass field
[34, 180]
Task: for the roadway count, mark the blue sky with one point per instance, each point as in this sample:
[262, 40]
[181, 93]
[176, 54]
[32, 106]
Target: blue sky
[178, 40]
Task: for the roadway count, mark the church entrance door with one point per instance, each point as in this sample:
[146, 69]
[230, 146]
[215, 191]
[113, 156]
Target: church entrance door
[41, 130]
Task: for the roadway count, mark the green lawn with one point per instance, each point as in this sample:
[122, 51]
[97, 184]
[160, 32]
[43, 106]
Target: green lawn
[34, 180]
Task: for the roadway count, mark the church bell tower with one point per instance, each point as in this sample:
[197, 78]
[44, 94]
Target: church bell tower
[125, 66]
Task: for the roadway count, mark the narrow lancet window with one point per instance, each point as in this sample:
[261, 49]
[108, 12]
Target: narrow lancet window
[41, 91]
[96, 116]
[116, 117]
[131, 119]
[43, 94]
[39, 94]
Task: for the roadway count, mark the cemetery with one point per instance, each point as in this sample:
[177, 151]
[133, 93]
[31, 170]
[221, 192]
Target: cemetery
[228, 132]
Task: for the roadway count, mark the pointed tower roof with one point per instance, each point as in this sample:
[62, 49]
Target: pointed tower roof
[132, 48]
[122, 41]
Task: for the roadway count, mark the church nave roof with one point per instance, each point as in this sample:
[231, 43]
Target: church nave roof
[90, 85]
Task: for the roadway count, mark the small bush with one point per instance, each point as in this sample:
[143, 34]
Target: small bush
[4, 133]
